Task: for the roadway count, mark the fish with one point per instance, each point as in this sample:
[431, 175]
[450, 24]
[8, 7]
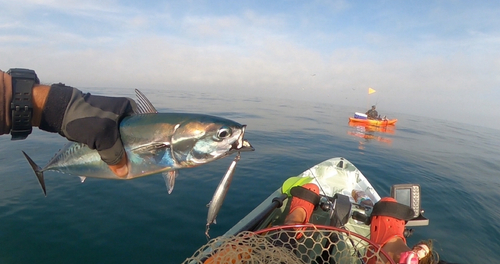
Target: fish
[220, 194]
[154, 143]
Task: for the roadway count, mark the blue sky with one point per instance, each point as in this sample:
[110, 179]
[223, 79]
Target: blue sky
[428, 58]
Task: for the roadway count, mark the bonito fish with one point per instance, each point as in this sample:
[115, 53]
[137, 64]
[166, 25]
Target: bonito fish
[154, 143]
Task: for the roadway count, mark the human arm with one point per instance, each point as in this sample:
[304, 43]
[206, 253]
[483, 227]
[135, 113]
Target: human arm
[89, 119]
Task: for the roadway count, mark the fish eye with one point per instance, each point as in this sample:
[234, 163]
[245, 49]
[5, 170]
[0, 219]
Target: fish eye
[224, 132]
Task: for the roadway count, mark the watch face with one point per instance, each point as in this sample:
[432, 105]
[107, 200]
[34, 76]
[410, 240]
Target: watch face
[23, 81]
[23, 74]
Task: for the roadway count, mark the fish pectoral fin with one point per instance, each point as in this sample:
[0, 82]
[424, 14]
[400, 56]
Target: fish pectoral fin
[150, 149]
[82, 179]
[169, 178]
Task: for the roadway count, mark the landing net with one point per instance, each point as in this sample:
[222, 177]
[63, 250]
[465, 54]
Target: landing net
[286, 244]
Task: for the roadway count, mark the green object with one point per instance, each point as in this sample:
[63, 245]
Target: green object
[294, 181]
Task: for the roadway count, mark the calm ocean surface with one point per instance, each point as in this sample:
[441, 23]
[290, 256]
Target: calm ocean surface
[104, 221]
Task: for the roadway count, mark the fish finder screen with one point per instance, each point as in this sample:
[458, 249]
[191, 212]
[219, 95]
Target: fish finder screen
[403, 196]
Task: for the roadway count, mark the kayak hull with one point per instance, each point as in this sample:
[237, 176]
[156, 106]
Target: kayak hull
[374, 122]
[334, 176]
[262, 233]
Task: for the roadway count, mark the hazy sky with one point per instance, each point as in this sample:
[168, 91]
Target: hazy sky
[428, 58]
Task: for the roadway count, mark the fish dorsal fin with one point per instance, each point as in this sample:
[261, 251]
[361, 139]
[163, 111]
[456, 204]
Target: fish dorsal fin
[150, 148]
[169, 177]
[144, 106]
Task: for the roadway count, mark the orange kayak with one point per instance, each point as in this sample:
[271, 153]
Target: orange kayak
[374, 122]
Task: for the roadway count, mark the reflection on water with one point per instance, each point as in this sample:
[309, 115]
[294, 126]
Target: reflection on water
[367, 133]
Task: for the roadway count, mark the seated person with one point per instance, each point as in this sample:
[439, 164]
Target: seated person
[372, 113]
[388, 220]
[386, 230]
[300, 209]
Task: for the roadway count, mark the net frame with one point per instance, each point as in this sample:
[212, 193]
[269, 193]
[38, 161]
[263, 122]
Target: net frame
[291, 244]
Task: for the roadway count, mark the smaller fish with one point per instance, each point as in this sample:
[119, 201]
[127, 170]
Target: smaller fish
[220, 194]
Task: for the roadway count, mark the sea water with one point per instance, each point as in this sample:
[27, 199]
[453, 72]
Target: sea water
[105, 221]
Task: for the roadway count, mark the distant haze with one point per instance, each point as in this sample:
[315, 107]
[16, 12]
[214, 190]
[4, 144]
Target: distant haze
[426, 58]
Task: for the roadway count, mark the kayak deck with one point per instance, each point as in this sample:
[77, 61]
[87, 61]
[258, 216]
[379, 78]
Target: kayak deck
[322, 239]
[334, 176]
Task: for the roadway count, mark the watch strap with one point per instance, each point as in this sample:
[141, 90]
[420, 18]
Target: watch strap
[21, 105]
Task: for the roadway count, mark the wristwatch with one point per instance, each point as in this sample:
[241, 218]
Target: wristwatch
[21, 106]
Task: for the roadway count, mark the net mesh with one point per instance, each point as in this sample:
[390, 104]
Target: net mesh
[291, 244]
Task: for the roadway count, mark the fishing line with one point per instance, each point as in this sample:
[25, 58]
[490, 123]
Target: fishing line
[324, 193]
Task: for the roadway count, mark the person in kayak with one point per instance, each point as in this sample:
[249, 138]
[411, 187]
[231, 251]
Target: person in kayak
[372, 113]
[85, 118]
[304, 199]
[387, 226]
[386, 230]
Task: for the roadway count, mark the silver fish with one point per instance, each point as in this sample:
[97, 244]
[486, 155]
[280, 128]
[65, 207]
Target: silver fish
[220, 194]
[154, 143]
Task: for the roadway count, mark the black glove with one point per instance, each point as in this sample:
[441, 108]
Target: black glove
[89, 119]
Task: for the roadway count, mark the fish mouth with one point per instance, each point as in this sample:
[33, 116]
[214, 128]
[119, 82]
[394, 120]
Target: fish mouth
[241, 144]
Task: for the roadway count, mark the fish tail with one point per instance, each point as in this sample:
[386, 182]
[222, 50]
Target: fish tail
[207, 229]
[38, 172]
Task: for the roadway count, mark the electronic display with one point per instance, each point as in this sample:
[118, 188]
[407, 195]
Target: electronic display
[407, 194]
[403, 196]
